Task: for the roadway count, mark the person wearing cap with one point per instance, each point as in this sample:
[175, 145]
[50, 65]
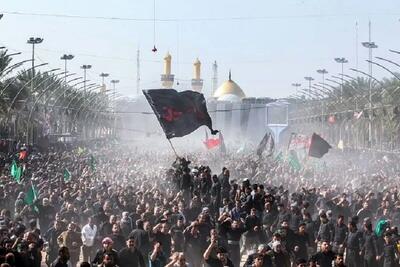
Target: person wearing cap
[107, 249]
[262, 251]
[279, 255]
[130, 256]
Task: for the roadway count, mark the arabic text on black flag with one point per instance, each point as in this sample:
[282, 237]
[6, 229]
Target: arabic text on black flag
[179, 113]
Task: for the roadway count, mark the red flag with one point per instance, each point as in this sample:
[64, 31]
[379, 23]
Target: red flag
[22, 154]
[211, 142]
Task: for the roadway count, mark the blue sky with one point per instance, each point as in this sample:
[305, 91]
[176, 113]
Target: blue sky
[274, 44]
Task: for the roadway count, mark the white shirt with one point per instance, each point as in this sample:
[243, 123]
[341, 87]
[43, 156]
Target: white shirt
[88, 235]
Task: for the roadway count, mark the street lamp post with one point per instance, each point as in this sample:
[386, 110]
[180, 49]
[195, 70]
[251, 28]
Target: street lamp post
[114, 82]
[33, 41]
[103, 75]
[370, 45]
[85, 68]
[322, 72]
[296, 85]
[309, 79]
[66, 57]
[342, 61]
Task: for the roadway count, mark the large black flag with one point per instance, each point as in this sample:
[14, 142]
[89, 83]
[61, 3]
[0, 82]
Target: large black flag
[266, 143]
[179, 113]
[318, 147]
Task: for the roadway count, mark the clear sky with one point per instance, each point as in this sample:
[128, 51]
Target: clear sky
[272, 45]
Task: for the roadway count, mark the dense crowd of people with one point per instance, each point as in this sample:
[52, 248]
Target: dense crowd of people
[106, 205]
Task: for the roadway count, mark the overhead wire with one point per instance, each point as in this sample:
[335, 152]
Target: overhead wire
[200, 19]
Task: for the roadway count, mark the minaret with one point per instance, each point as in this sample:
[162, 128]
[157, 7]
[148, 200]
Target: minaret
[197, 82]
[215, 78]
[167, 79]
[138, 72]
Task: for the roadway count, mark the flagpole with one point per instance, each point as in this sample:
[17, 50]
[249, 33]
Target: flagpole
[173, 148]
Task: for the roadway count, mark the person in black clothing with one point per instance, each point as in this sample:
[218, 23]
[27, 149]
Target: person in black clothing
[117, 237]
[268, 218]
[339, 261]
[107, 249]
[63, 258]
[339, 235]
[301, 263]
[280, 257]
[325, 232]
[369, 248]
[221, 260]
[215, 194]
[233, 231]
[253, 226]
[161, 234]
[225, 185]
[193, 244]
[177, 236]
[263, 252]
[130, 256]
[51, 238]
[389, 253]
[301, 243]
[141, 237]
[353, 245]
[325, 257]
[186, 185]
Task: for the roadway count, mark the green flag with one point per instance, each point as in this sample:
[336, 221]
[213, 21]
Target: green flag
[31, 196]
[67, 176]
[16, 172]
[80, 150]
[279, 157]
[294, 161]
[92, 162]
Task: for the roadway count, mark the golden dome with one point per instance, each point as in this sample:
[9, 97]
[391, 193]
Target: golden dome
[229, 87]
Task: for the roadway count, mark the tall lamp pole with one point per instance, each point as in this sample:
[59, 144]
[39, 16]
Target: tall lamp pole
[103, 75]
[322, 72]
[114, 82]
[296, 85]
[309, 79]
[341, 60]
[33, 41]
[66, 57]
[85, 68]
[370, 45]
